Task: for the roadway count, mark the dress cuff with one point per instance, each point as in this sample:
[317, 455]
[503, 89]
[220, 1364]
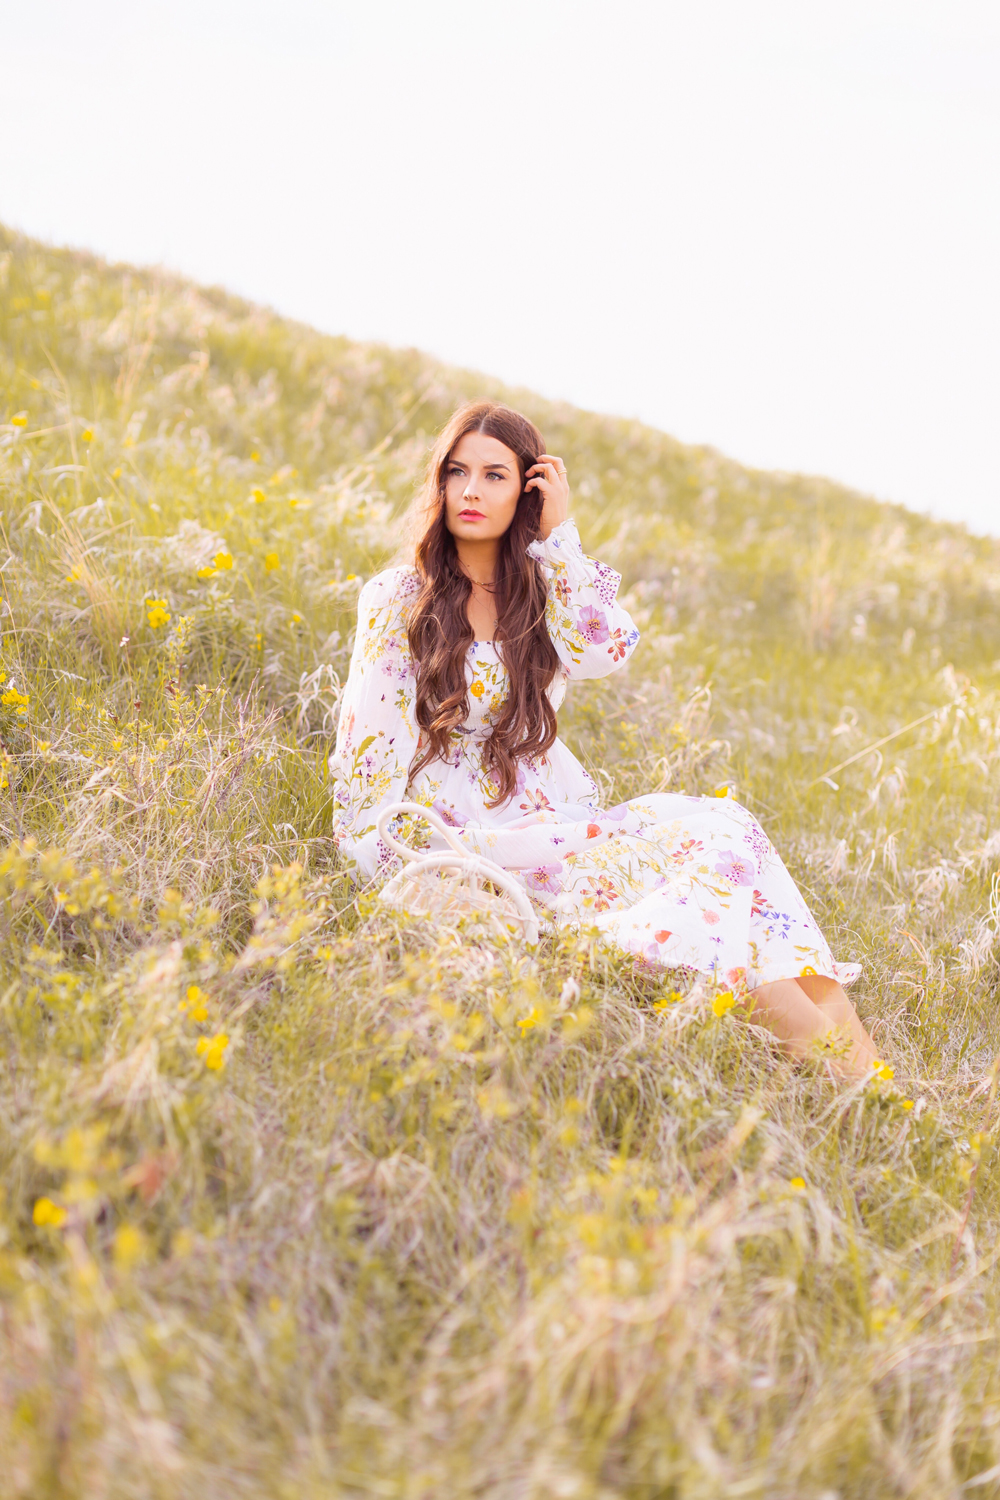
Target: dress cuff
[561, 544]
[562, 555]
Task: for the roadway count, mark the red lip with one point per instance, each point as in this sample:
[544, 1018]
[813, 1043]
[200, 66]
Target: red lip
[471, 515]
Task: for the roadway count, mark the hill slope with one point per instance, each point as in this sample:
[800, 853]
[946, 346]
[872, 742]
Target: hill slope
[295, 1201]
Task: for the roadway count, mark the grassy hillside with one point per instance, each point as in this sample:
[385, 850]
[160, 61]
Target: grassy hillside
[295, 1201]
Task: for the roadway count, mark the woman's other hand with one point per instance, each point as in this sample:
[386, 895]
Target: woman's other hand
[548, 476]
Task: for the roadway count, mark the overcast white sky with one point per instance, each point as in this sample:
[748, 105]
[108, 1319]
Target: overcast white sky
[770, 225]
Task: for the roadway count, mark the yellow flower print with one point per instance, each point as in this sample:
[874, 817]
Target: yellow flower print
[477, 690]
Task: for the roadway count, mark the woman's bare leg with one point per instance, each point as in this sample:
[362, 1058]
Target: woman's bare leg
[785, 1009]
[829, 996]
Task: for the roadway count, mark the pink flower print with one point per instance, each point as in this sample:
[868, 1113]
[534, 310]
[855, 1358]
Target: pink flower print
[736, 868]
[686, 850]
[562, 591]
[593, 625]
[544, 879]
[711, 917]
[535, 801]
[618, 646]
[601, 892]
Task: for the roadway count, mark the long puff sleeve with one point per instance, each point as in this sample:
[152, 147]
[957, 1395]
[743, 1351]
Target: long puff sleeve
[592, 634]
[377, 734]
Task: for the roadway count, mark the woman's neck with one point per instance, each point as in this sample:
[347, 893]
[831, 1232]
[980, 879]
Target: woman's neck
[478, 560]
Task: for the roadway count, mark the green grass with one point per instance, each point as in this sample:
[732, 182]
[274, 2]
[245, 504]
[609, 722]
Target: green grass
[295, 1201]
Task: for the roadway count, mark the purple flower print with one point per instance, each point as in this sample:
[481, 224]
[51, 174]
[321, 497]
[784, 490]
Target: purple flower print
[544, 879]
[593, 625]
[735, 867]
[447, 814]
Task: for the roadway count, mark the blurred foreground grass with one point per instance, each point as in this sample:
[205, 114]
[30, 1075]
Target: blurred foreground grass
[294, 1202]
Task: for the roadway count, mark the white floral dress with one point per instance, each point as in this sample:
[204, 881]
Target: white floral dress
[685, 882]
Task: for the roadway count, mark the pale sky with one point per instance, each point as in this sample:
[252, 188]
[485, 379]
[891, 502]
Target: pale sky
[768, 225]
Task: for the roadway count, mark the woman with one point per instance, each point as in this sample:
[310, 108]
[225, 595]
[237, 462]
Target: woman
[460, 663]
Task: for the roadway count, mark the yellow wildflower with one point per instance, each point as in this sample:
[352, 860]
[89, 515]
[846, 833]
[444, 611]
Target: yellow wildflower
[130, 1246]
[13, 699]
[116, 473]
[723, 1002]
[19, 419]
[295, 620]
[529, 1021]
[223, 561]
[157, 613]
[86, 435]
[207, 572]
[212, 1049]
[195, 1004]
[257, 495]
[271, 562]
[73, 576]
[797, 1184]
[907, 1103]
[255, 457]
[722, 791]
[669, 999]
[47, 1212]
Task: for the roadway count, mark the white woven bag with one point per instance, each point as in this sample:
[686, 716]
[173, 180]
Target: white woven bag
[453, 885]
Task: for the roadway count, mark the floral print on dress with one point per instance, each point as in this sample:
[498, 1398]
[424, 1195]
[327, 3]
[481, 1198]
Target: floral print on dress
[682, 882]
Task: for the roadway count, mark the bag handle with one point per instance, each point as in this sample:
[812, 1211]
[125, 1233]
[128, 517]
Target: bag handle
[395, 810]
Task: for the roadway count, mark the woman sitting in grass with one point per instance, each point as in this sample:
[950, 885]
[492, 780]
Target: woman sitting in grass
[460, 663]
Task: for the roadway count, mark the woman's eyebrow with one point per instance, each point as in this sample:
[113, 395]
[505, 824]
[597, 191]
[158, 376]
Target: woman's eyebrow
[498, 466]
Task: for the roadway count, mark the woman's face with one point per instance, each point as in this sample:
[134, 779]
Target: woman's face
[482, 485]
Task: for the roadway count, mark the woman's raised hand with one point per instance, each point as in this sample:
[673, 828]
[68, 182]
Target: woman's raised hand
[548, 476]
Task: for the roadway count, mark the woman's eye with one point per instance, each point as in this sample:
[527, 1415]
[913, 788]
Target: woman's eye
[495, 476]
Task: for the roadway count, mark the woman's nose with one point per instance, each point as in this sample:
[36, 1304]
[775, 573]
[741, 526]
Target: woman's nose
[471, 489]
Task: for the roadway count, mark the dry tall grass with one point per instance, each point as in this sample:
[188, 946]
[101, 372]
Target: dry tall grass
[297, 1202]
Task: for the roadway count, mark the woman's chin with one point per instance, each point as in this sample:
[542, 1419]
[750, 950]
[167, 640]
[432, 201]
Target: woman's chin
[475, 531]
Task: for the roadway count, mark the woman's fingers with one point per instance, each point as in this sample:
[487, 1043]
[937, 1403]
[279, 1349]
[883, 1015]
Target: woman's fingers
[550, 463]
[546, 472]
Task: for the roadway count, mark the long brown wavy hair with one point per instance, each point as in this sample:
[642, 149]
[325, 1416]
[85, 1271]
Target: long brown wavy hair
[439, 631]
